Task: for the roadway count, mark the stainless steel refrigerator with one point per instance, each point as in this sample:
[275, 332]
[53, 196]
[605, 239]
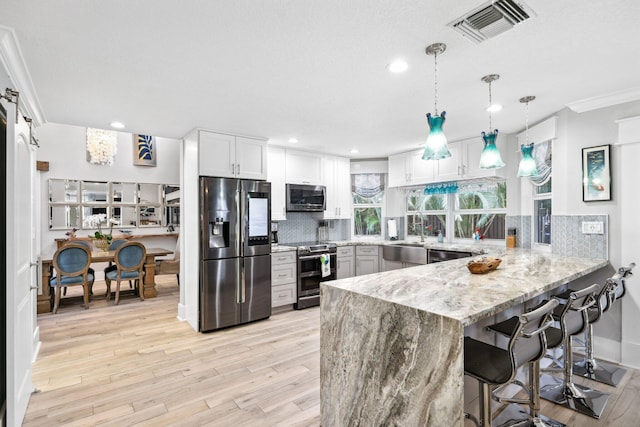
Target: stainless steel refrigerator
[235, 274]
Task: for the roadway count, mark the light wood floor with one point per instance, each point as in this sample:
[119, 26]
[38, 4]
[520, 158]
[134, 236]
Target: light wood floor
[136, 364]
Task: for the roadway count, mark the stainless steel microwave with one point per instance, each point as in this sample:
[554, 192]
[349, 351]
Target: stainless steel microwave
[306, 198]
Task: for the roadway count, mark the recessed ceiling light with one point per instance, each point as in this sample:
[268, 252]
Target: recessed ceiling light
[293, 140]
[354, 151]
[398, 66]
[494, 108]
[117, 125]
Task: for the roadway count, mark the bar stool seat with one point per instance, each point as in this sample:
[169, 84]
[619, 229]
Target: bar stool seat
[495, 367]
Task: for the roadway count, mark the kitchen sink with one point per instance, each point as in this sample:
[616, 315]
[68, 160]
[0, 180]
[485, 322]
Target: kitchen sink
[410, 252]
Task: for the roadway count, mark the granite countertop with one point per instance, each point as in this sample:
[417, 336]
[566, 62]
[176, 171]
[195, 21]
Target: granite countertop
[282, 248]
[449, 289]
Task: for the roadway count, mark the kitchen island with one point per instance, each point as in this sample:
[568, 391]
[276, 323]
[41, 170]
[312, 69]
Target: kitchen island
[391, 344]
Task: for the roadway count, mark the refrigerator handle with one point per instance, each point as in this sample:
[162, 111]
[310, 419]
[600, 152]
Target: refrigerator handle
[242, 282]
[239, 224]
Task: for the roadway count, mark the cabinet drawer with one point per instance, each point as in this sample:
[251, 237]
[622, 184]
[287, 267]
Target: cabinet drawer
[345, 251]
[366, 250]
[283, 294]
[281, 274]
[278, 258]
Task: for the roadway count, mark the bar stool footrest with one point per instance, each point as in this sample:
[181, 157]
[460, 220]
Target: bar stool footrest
[586, 400]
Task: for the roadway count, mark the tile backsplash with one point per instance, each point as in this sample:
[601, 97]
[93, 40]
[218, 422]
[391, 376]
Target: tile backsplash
[303, 227]
[522, 224]
[567, 238]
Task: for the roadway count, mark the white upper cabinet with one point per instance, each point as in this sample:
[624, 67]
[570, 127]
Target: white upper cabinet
[337, 180]
[464, 162]
[410, 169]
[276, 176]
[303, 167]
[231, 156]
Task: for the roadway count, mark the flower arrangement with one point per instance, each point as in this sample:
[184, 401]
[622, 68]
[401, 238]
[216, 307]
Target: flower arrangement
[71, 234]
[96, 221]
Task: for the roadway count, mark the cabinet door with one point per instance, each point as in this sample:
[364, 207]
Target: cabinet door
[398, 174]
[450, 169]
[472, 150]
[251, 158]
[343, 187]
[366, 264]
[216, 154]
[275, 175]
[329, 181]
[303, 167]
[346, 267]
[421, 170]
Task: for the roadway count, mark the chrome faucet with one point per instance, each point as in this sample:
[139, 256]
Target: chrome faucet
[421, 225]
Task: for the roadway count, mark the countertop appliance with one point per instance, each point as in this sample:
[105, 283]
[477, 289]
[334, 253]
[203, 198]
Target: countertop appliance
[235, 248]
[310, 272]
[306, 198]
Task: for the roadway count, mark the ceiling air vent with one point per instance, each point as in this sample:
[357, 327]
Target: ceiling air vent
[491, 19]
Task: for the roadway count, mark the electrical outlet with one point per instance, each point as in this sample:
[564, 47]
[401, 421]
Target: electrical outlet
[592, 227]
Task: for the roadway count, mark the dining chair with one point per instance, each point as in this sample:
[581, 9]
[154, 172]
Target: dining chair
[91, 271]
[71, 263]
[129, 262]
[115, 244]
[170, 265]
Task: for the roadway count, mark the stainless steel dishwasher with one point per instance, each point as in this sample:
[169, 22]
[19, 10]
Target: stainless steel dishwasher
[440, 255]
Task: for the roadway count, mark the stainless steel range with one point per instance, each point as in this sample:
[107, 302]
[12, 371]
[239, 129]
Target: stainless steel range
[310, 271]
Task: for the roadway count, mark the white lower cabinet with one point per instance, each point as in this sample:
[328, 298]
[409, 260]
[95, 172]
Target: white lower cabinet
[345, 257]
[283, 278]
[367, 260]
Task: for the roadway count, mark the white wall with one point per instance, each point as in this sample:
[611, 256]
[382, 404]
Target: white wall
[592, 128]
[63, 146]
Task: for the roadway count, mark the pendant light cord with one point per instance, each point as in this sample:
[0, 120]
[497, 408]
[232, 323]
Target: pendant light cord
[435, 80]
[490, 106]
[526, 122]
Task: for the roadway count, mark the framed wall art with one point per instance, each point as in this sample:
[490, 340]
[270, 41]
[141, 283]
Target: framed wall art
[144, 150]
[596, 173]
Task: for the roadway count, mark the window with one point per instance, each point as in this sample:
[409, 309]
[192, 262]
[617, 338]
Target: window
[481, 208]
[542, 194]
[472, 207]
[426, 214]
[542, 213]
[368, 198]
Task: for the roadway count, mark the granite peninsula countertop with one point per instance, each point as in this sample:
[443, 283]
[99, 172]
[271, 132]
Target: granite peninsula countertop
[448, 288]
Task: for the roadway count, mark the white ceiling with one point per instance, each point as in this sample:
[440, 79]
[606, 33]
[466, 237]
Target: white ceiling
[315, 69]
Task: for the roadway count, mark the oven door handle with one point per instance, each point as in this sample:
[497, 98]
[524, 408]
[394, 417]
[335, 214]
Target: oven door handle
[308, 257]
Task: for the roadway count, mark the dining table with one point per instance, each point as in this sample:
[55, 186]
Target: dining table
[44, 298]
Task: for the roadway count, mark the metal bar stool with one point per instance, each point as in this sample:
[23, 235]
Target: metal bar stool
[573, 318]
[589, 367]
[495, 367]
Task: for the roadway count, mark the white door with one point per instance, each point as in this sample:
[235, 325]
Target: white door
[217, 154]
[251, 158]
[21, 273]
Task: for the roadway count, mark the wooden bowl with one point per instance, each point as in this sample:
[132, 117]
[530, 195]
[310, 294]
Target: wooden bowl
[483, 265]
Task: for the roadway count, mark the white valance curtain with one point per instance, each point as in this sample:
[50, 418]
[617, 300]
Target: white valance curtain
[367, 185]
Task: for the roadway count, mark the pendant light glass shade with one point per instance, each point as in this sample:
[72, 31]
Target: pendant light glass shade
[490, 157]
[527, 165]
[436, 147]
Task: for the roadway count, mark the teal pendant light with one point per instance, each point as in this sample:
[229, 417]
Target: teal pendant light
[490, 157]
[436, 147]
[527, 166]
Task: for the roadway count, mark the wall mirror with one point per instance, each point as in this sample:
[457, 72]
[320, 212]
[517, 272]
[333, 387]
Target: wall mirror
[94, 192]
[129, 204]
[124, 192]
[63, 190]
[63, 217]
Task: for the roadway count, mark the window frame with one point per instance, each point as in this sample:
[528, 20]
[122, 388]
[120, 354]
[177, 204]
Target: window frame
[380, 205]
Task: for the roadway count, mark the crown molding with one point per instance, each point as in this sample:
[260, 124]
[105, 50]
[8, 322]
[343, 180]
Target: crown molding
[13, 62]
[596, 102]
